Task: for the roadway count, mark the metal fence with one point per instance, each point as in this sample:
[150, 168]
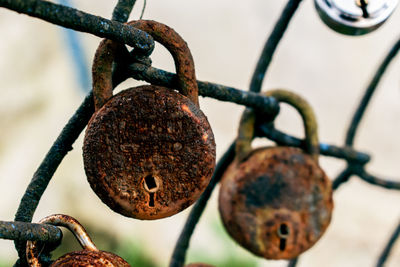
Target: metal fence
[21, 229]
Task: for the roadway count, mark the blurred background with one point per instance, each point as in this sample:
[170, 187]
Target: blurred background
[42, 85]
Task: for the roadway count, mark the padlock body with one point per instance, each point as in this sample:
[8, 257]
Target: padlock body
[85, 258]
[276, 203]
[149, 152]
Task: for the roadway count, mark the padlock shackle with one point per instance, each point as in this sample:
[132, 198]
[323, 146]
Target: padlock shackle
[247, 123]
[171, 40]
[60, 220]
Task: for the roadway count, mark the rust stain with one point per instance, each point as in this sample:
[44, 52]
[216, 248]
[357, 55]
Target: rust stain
[277, 203]
[148, 131]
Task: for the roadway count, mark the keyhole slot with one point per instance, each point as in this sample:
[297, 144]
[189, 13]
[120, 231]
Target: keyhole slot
[283, 233]
[363, 5]
[151, 184]
[151, 201]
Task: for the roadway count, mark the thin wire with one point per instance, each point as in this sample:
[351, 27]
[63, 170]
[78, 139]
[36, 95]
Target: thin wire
[181, 246]
[358, 115]
[272, 43]
[144, 7]
[386, 251]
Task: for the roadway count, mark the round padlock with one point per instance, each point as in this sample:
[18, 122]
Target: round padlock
[89, 256]
[355, 17]
[276, 201]
[149, 151]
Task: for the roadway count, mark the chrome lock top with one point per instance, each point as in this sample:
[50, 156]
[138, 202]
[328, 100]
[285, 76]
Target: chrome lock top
[355, 17]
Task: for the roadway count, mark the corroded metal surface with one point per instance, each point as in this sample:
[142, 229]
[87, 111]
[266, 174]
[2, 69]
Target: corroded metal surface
[90, 258]
[149, 152]
[277, 203]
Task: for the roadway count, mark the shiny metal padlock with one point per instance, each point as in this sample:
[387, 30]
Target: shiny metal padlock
[89, 256]
[355, 17]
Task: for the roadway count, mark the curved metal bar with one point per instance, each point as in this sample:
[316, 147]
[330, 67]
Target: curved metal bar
[47, 168]
[80, 21]
[365, 176]
[181, 246]
[351, 132]
[271, 45]
[386, 251]
[346, 153]
[343, 177]
[293, 263]
[122, 10]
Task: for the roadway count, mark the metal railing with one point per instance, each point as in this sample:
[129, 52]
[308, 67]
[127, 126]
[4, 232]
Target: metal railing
[21, 229]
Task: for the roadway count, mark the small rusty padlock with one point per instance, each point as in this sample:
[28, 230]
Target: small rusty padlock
[89, 256]
[276, 201]
[149, 151]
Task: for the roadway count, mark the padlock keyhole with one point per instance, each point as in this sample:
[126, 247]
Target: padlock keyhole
[151, 201]
[150, 182]
[283, 233]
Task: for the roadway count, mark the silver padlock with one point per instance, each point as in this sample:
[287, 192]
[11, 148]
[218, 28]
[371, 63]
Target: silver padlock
[355, 17]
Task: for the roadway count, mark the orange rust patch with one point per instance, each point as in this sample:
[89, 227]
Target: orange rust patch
[186, 108]
[205, 137]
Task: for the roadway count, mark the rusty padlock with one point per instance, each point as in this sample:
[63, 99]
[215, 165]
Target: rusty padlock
[276, 201]
[149, 151]
[89, 256]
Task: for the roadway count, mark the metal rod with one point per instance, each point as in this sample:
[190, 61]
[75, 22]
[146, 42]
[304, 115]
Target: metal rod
[343, 177]
[351, 132]
[223, 93]
[181, 246]
[346, 153]
[122, 10]
[29, 231]
[80, 21]
[272, 43]
[386, 251]
[293, 263]
[365, 176]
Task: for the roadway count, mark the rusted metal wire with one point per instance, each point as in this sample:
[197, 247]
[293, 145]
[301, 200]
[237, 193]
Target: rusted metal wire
[386, 251]
[80, 21]
[140, 69]
[122, 10]
[359, 113]
[271, 45]
[29, 231]
[181, 246]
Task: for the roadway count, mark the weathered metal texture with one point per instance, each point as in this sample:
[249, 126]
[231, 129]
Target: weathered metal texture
[80, 21]
[29, 231]
[90, 258]
[277, 203]
[149, 151]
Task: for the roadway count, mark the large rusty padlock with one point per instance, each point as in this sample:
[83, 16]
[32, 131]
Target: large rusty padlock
[276, 201]
[89, 256]
[149, 151]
